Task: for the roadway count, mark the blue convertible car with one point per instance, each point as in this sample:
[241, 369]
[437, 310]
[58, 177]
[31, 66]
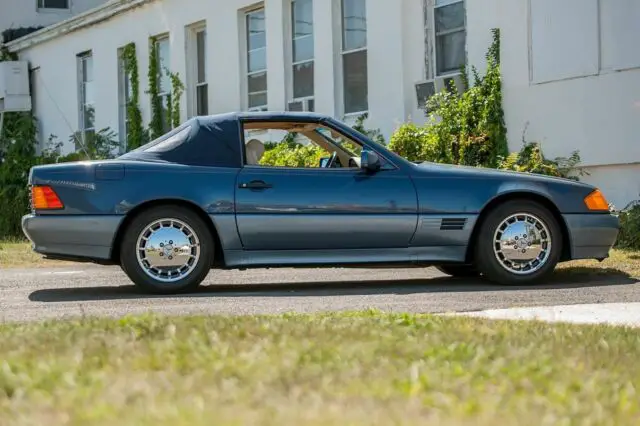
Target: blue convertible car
[200, 198]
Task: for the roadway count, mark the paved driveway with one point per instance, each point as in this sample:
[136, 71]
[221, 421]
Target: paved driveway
[106, 291]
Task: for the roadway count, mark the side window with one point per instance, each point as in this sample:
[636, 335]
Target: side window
[298, 145]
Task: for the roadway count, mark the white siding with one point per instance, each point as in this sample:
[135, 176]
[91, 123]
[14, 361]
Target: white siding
[570, 96]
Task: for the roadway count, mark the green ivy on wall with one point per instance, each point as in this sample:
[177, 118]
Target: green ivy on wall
[135, 129]
[177, 89]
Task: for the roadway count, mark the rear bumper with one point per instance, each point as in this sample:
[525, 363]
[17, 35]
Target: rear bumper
[72, 236]
[592, 235]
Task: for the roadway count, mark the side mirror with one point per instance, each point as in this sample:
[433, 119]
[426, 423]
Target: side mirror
[323, 162]
[369, 161]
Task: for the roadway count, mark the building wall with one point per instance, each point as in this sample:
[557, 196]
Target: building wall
[26, 13]
[391, 98]
[571, 79]
[579, 92]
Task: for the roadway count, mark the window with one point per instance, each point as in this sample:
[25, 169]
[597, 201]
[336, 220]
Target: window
[53, 4]
[86, 101]
[354, 56]
[164, 81]
[302, 55]
[198, 99]
[256, 35]
[450, 35]
[299, 145]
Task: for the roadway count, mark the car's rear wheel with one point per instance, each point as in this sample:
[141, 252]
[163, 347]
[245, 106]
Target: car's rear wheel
[519, 243]
[459, 271]
[167, 250]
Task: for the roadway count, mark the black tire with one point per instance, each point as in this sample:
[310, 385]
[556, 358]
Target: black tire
[148, 284]
[459, 271]
[485, 258]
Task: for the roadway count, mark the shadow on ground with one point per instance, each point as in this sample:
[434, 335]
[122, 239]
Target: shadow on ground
[571, 278]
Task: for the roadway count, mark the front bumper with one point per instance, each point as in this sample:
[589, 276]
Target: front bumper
[72, 236]
[591, 236]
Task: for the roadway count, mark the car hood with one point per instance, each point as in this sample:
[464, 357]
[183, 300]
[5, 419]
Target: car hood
[471, 172]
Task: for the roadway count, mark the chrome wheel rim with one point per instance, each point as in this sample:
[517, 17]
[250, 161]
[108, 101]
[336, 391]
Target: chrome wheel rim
[168, 250]
[522, 244]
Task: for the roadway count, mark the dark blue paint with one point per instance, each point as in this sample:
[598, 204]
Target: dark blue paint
[303, 216]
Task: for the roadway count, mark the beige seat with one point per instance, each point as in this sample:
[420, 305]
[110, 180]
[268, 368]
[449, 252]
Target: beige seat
[255, 150]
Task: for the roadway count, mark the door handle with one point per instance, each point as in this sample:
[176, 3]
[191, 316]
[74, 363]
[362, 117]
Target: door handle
[255, 184]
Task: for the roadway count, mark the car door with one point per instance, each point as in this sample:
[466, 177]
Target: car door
[321, 209]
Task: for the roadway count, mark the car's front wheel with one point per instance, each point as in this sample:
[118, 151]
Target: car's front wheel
[167, 250]
[519, 243]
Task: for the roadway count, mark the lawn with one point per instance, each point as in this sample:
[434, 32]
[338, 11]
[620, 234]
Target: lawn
[18, 254]
[337, 369]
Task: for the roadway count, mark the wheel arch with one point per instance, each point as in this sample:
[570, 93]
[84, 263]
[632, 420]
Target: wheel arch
[142, 207]
[520, 195]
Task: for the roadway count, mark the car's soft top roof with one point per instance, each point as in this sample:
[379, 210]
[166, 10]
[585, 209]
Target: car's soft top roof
[211, 140]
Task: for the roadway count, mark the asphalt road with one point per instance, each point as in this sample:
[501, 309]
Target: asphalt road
[93, 290]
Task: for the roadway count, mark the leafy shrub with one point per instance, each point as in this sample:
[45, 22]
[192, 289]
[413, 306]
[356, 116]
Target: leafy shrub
[629, 236]
[292, 154]
[531, 159]
[466, 129]
[17, 156]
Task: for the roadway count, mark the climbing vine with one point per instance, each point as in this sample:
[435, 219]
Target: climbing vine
[135, 129]
[177, 89]
[155, 126]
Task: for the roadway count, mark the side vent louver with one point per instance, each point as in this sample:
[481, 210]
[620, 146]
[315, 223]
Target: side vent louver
[453, 224]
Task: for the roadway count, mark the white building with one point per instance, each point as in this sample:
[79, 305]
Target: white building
[571, 70]
[15, 14]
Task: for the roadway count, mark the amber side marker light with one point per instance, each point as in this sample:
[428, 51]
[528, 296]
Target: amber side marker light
[45, 198]
[596, 201]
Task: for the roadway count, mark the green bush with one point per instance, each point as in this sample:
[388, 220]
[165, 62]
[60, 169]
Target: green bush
[531, 159]
[17, 156]
[629, 236]
[292, 154]
[465, 129]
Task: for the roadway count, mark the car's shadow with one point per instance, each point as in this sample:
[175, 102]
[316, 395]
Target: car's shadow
[561, 280]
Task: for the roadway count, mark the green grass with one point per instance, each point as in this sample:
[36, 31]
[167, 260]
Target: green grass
[18, 254]
[340, 369]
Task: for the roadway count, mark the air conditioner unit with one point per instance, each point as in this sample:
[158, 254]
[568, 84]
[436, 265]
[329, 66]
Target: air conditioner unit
[302, 105]
[14, 86]
[444, 83]
[426, 89]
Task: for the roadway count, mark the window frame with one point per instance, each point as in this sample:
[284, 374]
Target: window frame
[386, 163]
[248, 73]
[41, 6]
[436, 35]
[83, 103]
[292, 99]
[194, 86]
[345, 52]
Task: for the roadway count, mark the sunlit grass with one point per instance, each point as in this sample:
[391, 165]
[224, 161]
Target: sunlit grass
[361, 368]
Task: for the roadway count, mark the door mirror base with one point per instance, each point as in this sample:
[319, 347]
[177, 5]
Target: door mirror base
[369, 161]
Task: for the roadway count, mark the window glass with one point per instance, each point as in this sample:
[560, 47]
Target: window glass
[303, 80]
[355, 82]
[298, 145]
[354, 24]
